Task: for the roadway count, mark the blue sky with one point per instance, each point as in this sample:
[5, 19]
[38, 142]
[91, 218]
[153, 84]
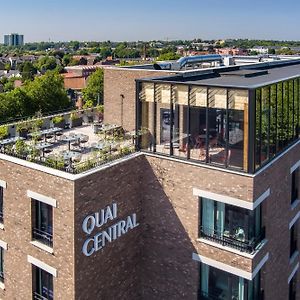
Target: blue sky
[63, 20]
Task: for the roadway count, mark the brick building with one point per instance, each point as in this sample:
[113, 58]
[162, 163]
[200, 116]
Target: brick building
[206, 208]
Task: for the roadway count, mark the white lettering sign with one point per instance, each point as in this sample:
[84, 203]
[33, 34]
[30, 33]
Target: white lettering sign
[108, 235]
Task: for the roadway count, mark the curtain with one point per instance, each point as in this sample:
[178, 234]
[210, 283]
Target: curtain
[208, 216]
[220, 218]
[204, 278]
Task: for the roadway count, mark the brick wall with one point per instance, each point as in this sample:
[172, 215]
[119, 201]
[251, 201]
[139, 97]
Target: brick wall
[278, 214]
[114, 271]
[17, 231]
[119, 81]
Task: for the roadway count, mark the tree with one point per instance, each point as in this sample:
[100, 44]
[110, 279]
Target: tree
[47, 63]
[94, 87]
[169, 56]
[74, 45]
[271, 51]
[47, 93]
[105, 52]
[28, 70]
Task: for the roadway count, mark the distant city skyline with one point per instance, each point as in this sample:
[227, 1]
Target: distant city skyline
[133, 20]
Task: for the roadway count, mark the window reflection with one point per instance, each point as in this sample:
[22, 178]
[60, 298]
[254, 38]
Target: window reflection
[217, 284]
[277, 119]
[231, 225]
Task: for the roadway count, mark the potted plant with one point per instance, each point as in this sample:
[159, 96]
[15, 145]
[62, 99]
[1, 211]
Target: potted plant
[23, 129]
[99, 113]
[3, 132]
[75, 120]
[20, 147]
[59, 121]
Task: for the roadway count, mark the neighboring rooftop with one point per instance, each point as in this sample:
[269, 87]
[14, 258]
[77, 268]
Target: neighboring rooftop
[249, 76]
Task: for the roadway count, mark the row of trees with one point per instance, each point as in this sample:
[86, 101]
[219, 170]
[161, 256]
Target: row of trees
[44, 94]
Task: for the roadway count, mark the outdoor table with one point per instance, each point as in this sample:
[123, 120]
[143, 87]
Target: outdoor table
[107, 128]
[68, 155]
[5, 142]
[69, 139]
[35, 134]
[102, 145]
[52, 130]
[42, 146]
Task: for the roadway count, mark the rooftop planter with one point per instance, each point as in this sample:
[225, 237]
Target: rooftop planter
[59, 121]
[75, 120]
[23, 129]
[3, 132]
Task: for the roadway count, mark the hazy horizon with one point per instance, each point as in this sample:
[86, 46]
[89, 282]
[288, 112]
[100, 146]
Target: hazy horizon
[133, 20]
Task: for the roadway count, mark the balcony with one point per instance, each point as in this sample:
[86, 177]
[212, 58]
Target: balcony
[37, 296]
[42, 236]
[236, 241]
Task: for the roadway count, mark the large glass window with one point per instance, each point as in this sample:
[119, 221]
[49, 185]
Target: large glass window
[216, 284]
[193, 122]
[42, 222]
[198, 142]
[293, 288]
[295, 184]
[231, 225]
[42, 284]
[277, 119]
[293, 239]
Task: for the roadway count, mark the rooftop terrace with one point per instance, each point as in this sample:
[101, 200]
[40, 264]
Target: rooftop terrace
[69, 146]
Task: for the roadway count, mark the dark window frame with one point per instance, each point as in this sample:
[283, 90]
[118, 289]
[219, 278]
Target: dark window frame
[293, 287]
[42, 284]
[42, 225]
[295, 185]
[293, 239]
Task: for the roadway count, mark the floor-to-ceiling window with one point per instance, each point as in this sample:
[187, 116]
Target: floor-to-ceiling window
[231, 225]
[216, 284]
[277, 119]
[195, 122]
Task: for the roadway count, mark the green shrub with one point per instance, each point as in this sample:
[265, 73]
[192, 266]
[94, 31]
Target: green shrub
[57, 119]
[74, 116]
[20, 147]
[3, 132]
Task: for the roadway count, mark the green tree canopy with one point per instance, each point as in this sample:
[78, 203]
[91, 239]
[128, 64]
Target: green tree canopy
[168, 56]
[94, 87]
[45, 94]
[28, 70]
[46, 63]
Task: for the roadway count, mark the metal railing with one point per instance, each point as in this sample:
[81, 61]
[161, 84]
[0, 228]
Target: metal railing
[216, 294]
[37, 296]
[243, 245]
[73, 169]
[42, 236]
[1, 276]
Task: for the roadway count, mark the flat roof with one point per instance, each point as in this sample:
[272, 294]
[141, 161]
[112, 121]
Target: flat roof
[247, 77]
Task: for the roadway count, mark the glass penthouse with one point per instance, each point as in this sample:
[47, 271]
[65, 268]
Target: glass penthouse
[237, 117]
